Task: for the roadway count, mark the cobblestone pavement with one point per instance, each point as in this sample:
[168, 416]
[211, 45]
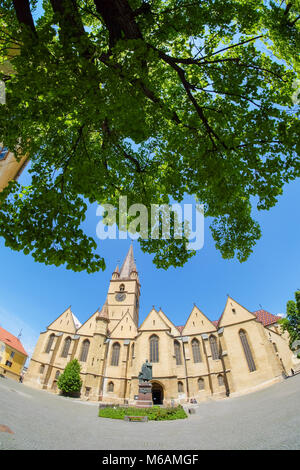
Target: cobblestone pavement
[267, 419]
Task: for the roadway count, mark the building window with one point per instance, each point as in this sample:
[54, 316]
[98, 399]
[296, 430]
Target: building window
[196, 350]
[220, 380]
[214, 347]
[154, 356]
[177, 351]
[3, 153]
[42, 368]
[247, 351]
[180, 387]
[66, 347]
[84, 350]
[275, 347]
[12, 354]
[115, 355]
[57, 374]
[8, 363]
[110, 387]
[122, 288]
[132, 353]
[87, 391]
[200, 384]
[50, 342]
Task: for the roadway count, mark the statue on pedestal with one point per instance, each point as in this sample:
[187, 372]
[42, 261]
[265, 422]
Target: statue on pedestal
[146, 373]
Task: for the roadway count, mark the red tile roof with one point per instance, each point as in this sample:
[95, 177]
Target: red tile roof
[265, 317]
[11, 341]
[180, 328]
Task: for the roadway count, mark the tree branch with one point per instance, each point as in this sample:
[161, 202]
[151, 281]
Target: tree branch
[24, 16]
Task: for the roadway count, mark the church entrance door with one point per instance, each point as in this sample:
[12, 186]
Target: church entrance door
[157, 394]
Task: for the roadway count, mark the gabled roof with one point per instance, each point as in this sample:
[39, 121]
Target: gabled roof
[116, 332]
[11, 341]
[266, 318]
[193, 324]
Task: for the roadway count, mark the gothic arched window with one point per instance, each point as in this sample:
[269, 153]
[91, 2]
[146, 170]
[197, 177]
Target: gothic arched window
[115, 355]
[220, 380]
[177, 351]
[84, 350]
[154, 356]
[196, 350]
[110, 387]
[66, 347]
[50, 342]
[213, 347]
[200, 384]
[247, 350]
[122, 287]
[132, 352]
[180, 387]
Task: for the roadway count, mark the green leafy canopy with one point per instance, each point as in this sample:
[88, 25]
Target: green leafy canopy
[291, 323]
[154, 100]
[69, 382]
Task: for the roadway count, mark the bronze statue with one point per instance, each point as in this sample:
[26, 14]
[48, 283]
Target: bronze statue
[146, 373]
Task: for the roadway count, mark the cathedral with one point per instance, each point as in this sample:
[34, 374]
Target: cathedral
[203, 359]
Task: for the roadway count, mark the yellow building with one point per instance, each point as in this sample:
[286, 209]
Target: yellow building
[12, 355]
[201, 360]
[10, 166]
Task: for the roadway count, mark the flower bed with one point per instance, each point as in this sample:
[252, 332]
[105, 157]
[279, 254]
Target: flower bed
[155, 413]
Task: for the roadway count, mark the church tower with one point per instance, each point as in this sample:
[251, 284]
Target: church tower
[124, 292]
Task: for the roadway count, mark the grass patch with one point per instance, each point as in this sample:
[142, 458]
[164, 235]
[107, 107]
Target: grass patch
[154, 413]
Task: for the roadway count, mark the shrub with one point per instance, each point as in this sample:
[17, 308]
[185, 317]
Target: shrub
[69, 382]
[154, 413]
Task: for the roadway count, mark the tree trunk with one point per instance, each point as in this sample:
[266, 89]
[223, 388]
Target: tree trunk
[119, 19]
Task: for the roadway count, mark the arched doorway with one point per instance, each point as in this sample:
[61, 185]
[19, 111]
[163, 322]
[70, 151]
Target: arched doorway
[157, 393]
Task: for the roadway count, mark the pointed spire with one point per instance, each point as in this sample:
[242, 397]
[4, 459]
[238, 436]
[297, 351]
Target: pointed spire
[129, 264]
[104, 311]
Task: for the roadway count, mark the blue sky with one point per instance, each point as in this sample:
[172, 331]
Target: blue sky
[32, 295]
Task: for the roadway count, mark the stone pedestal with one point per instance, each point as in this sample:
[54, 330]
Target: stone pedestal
[145, 395]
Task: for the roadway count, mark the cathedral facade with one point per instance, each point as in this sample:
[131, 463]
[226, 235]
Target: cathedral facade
[203, 359]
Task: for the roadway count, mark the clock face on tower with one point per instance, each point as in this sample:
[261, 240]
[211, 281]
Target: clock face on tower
[120, 296]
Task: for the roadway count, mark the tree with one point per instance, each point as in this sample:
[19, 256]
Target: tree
[291, 323]
[69, 382]
[154, 100]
